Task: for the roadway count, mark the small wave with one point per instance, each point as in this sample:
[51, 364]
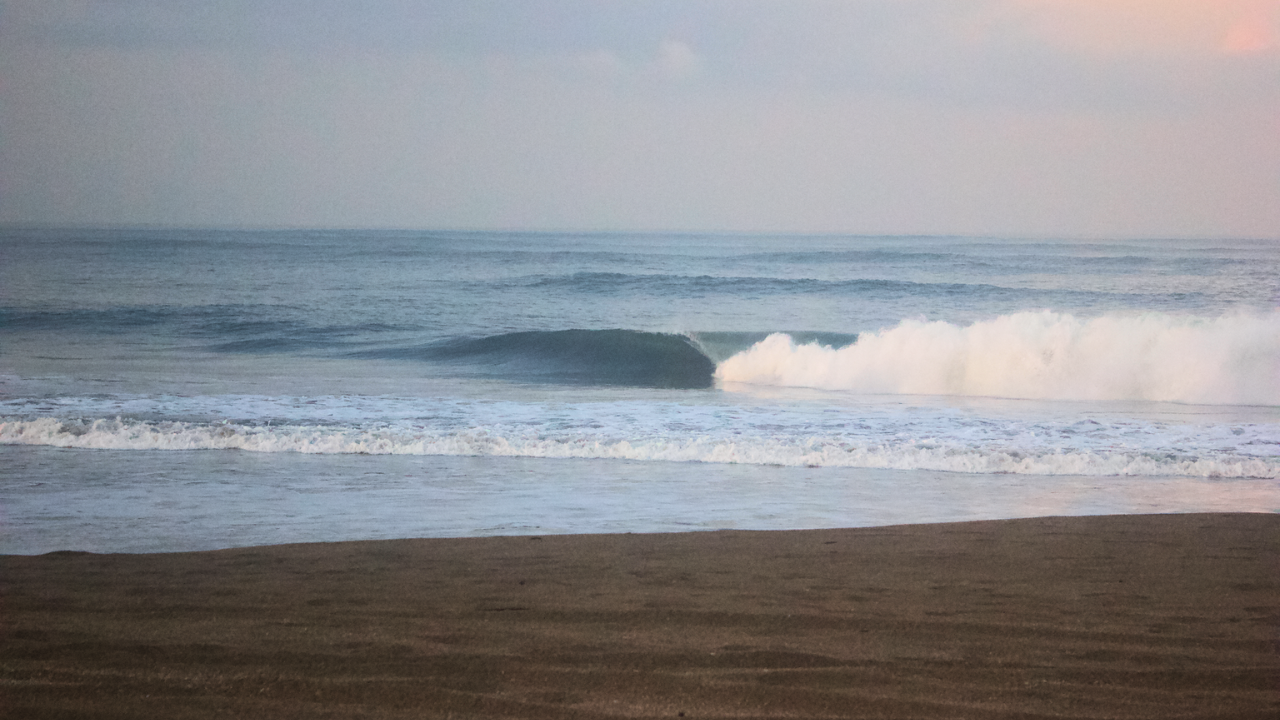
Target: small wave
[219, 328]
[1230, 360]
[105, 320]
[957, 454]
[596, 357]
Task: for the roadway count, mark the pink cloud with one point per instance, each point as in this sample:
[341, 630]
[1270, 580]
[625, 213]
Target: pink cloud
[1248, 38]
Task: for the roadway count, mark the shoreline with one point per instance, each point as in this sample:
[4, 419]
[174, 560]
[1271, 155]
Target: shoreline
[1126, 616]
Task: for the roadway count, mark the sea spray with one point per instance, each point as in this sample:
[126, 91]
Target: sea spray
[1233, 359]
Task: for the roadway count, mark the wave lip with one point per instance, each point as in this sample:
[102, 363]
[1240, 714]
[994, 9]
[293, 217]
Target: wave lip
[1230, 360]
[720, 346]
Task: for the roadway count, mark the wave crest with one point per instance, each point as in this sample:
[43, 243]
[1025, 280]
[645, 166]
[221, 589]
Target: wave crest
[1230, 360]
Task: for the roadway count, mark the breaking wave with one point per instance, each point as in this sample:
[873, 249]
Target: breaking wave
[1230, 360]
[596, 357]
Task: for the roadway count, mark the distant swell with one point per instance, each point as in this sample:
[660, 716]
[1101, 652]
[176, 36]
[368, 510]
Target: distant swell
[596, 357]
[1231, 360]
[701, 286]
[217, 328]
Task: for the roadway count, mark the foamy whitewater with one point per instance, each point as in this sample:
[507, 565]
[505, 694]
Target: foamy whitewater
[1230, 360]
[170, 390]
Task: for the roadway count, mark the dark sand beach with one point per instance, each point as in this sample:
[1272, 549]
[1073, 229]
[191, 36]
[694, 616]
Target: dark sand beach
[1172, 616]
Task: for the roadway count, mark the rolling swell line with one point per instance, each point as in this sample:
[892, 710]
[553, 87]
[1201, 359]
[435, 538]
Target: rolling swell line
[699, 286]
[217, 328]
[613, 282]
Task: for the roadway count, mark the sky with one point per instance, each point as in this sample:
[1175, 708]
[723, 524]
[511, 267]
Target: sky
[1060, 118]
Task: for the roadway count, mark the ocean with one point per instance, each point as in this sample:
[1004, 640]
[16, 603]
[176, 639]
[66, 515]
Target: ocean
[171, 390]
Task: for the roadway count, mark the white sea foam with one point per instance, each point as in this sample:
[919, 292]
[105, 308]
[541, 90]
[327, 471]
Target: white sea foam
[1229, 360]
[937, 440]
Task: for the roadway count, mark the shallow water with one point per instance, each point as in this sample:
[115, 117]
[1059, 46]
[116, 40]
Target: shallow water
[125, 501]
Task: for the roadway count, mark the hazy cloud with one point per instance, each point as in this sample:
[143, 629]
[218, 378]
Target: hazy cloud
[677, 59]
[1078, 51]
[1048, 116]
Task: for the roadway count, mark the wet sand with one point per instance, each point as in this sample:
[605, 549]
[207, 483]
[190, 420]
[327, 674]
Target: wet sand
[1173, 616]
